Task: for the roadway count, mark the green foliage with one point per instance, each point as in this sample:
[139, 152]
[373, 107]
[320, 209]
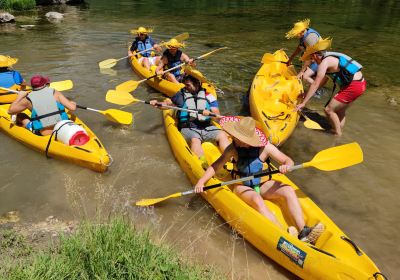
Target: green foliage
[107, 251]
[17, 5]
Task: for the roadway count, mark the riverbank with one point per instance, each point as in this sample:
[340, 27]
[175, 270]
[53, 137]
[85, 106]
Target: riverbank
[112, 250]
[17, 5]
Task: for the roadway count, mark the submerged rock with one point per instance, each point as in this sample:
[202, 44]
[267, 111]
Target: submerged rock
[54, 16]
[6, 17]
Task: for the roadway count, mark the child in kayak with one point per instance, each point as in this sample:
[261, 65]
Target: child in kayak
[250, 149]
[10, 78]
[144, 43]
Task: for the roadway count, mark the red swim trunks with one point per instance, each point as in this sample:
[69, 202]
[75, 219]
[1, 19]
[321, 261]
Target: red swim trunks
[351, 92]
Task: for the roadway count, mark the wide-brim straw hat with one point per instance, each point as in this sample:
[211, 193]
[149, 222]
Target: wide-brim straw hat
[245, 130]
[142, 30]
[7, 61]
[173, 43]
[321, 45]
[298, 27]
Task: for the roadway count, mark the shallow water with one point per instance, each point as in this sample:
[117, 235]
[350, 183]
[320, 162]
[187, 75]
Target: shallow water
[362, 200]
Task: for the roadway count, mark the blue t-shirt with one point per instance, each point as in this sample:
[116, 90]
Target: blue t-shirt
[10, 78]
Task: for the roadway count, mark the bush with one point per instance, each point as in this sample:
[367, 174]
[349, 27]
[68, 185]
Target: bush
[17, 5]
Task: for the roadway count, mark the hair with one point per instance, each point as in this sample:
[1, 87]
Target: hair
[191, 78]
[322, 53]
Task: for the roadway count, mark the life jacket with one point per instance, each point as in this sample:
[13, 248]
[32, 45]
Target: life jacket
[46, 111]
[309, 31]
[144, 45]
[174, 60]
[347, 68]
[8, 79]
[248, 163]
[194, 102]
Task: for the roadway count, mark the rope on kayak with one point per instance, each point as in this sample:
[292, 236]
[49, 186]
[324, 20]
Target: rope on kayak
[51, 137]
[109, 164]
[376, 274]
[277, 117]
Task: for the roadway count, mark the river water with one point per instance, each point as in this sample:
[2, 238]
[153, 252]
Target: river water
[362, 199]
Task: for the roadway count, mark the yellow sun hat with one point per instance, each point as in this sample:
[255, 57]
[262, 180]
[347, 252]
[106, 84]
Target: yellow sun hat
[7, 61]
[321, 45]
[141, 30]
[173, 43]
[298, 27]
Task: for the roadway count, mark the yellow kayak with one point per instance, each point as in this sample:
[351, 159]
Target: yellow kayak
[162, 85]
[334, 256]
[91, 155]
[8, 97]
[273, 96]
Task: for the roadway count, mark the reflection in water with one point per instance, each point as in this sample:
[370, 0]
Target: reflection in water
[361, 200]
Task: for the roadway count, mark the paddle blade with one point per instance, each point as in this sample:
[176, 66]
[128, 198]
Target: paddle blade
[182, 37]
[337, 157]
[152, 201]
[62, 85]
[127, 86]
[118, 116]
[308, 123]
[119, 97]
[108, 63]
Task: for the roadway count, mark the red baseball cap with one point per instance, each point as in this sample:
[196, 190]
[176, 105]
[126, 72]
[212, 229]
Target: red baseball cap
[38, 81]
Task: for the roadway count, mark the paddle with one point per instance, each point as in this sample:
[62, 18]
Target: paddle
[111, 62]
[125, 98]
[113, 115]
[308, 123]
[132, 85]
[327, 160]
[60, 86]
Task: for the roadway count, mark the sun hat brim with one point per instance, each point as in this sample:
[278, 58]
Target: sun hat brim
[8, 62]
[298, 27]
[321, 45]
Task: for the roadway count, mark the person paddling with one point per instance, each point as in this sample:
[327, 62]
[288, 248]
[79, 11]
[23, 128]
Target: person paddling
[307, 37]
[46, 104]
[10, 78]
[250, 149]
[172, 57]
[144, 42]
[344, 71]
[196, 128]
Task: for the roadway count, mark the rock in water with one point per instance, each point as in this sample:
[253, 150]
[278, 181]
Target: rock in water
[54, 16]
[6, 17]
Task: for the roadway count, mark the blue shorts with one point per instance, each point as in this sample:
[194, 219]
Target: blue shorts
[314, 67]
[29, 126]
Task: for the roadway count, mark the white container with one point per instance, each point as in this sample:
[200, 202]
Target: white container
[70, 133]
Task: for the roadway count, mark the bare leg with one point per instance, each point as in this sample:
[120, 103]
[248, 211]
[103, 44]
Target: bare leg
[331, 110]
[223, 140]
[276, 189]
[170, 77]
[195, 146]
[253, 199]
[146, 63]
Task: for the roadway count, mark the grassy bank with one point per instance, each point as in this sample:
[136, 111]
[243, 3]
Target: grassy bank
[19, 5]
[104, 251]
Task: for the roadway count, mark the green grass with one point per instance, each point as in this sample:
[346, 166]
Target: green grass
[19, 5]
[106, 251]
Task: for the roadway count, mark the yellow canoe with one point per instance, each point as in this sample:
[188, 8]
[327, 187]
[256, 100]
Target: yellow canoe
[334, 256]
[162, 85]
[91, 155]
[273, 95]
[8, 97]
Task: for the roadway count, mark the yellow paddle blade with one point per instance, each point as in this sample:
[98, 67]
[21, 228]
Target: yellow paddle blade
[118, 116]
[62, 85]
[337, 157]
[152, 201]
[119, 97]
[182, 37]
[108, 63]
[127, 86]
[308, 123]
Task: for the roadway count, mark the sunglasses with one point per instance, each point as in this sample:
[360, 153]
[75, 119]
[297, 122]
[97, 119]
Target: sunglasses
[142, 34]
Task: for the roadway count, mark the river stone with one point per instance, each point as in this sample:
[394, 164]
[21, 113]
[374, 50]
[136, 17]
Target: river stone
[6, 17]
[54, 16]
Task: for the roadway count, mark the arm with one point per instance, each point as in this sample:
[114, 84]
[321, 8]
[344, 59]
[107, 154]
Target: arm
[163, 61]
[296, 52]
[20, 104]
[185, 58]
[315, 85]
[157, 48]
[217, 165]
[284, 160]
[70, 105]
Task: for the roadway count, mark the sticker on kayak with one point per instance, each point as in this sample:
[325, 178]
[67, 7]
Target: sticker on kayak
[295, 254]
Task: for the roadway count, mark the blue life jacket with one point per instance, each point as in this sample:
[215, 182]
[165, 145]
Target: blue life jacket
[10, 78]
[249, 163]
[46, 111]
[194, 102]
[144, 45]
[347, 68]
[174, 61]
[302, 39]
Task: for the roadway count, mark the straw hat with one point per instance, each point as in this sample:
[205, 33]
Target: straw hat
[321, 45]
[39, 81]
[7, 61]
[173, 43]
[141, 30]
[298, 27]
[245, 130]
